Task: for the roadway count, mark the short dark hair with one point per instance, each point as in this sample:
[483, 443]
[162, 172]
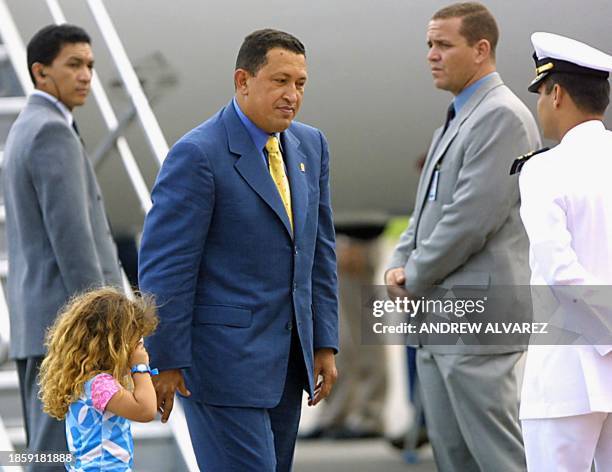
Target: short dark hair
[255, 47]
[477, 22]
[47, 43]
[590, 94]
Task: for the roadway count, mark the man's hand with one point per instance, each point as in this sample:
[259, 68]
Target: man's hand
[395, 280]
[324, 365]
[166, 384]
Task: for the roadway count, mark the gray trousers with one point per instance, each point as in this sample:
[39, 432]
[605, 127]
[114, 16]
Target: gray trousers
[43, 433]
[471, 411]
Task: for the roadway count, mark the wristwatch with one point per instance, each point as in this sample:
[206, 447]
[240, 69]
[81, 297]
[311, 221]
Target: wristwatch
[142, 368]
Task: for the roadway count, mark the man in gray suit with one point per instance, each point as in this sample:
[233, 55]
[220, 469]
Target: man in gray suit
[466, 231]
[59, 241]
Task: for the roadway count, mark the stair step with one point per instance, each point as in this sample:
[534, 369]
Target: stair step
[10, 401]
[12, 105]
[8, 380]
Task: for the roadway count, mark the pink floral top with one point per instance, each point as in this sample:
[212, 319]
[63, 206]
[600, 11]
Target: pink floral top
[103, 387]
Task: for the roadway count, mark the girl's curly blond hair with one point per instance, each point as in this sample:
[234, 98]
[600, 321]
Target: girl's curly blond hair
[96, 332]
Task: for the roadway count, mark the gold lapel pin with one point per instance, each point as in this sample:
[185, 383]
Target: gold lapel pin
[302, 167]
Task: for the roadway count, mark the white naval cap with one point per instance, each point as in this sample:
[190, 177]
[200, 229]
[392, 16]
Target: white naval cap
[555, 53]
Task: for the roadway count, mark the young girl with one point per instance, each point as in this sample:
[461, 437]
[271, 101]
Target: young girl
[93, 347]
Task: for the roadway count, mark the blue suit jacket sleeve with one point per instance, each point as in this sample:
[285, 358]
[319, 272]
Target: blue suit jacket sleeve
[324, 278]
[174, 234]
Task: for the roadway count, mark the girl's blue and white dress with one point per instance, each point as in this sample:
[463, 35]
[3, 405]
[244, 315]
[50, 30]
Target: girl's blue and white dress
[97, 439]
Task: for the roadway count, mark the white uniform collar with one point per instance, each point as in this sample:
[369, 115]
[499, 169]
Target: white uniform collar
[586, 128]
[63, 108]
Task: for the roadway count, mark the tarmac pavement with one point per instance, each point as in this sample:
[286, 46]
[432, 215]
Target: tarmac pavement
[356, 456]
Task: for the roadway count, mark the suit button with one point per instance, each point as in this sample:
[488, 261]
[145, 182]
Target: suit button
[289, 326]
[295, 250]
[294, 287]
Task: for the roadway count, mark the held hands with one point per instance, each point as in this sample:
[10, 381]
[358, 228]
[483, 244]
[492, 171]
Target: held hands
[325, 366]
[166, 384]
[395, 280]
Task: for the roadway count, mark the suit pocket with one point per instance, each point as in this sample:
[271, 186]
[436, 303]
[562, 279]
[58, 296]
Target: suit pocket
[223, 315]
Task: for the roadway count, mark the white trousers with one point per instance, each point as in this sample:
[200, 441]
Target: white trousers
[569, 444]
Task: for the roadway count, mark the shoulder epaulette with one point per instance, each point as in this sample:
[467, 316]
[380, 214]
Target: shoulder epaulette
[519, 162]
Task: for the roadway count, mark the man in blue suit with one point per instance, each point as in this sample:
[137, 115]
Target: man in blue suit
[239, 251]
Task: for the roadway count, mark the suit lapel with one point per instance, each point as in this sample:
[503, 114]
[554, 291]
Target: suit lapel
[440, 143]
[251, 166]
[464, 113]
[295, 161]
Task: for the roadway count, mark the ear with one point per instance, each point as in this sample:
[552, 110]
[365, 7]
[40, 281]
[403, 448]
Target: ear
[241, 79]
[558, 95]
[38, 72]
[482, 50]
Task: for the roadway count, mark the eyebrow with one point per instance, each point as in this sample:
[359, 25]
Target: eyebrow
[439, 41]
[285, 74]
[80, 59]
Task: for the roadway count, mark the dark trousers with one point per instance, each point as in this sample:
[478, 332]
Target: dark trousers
[241, 439]
[43, 433]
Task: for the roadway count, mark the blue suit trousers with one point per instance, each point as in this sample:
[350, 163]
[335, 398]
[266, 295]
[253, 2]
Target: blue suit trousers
[242, 439]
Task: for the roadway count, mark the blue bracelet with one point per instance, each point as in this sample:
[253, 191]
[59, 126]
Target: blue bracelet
[142, 368]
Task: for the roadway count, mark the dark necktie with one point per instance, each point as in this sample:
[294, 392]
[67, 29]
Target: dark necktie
[76, 130]
[450, 114]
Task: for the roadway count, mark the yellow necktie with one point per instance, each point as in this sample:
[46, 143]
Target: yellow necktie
[277, 171]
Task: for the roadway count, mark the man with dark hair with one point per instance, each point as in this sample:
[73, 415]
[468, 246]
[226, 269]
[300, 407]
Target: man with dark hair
[59, 242]
[566, 196]
[46, 44]
[253, 52]
[466, 231]
[238, 248]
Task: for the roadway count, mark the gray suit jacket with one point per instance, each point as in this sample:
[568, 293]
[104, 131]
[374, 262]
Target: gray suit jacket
[59, 242]
[471, 234]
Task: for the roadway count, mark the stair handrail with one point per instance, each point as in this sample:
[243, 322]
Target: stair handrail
[150, 125]
[111, 121]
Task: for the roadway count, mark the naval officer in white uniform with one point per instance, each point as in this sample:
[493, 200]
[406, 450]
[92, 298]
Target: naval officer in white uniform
[566, 194]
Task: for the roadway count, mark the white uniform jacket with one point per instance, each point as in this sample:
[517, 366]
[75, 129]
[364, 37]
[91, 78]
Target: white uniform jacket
[566, 207]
